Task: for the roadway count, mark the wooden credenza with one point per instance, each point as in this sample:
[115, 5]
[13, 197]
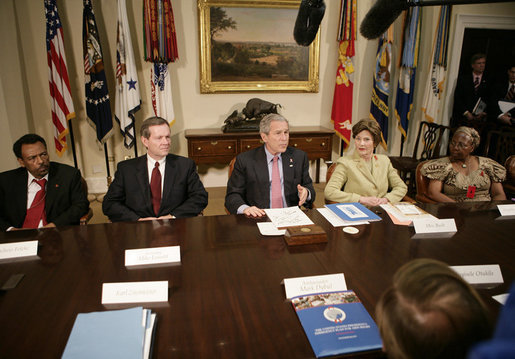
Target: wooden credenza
[210, 146]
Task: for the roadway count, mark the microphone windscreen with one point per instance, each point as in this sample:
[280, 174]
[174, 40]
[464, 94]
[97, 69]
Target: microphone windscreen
[308, 20]
[380, 17]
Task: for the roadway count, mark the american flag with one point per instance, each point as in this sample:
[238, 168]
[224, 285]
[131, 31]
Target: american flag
[62, 104]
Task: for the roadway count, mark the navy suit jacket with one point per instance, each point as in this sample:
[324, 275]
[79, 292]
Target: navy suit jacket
[129, 197]
[250, 182]
[65, 201]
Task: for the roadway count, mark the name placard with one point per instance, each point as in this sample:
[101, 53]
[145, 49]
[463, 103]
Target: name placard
[295, 287]
[149, 256]
[434, 227]
[18, 250]
[135, 292]
[480, 275]
[506, 209]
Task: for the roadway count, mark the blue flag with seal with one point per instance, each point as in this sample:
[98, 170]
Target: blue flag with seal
[381, 87]
[98, 107]
[409, 60]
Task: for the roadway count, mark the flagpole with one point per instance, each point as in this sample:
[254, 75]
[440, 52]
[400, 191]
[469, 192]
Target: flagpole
[72, 140]
[107, 165]
[402, 145]
[135, 140]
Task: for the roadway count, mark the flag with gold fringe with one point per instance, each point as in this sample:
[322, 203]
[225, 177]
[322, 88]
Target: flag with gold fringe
[409, 60]
[381, 88]
[159, 37]
[160, 49]
[98, 107]
[128, 99]
[60, 91]
[438, 68]
[341, 114]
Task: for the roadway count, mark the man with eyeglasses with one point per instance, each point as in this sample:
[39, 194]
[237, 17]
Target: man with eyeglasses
[40, 193]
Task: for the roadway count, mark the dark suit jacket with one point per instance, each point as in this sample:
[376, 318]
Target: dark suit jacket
[129, 197]
[65, 200]
[250, 183]
[499, 91]
[465, 98]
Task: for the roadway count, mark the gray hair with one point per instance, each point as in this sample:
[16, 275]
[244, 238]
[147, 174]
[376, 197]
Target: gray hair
[264, 125]
[151, 121]
[472, 133]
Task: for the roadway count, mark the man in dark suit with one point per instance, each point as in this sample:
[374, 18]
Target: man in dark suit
[157, 185]
[251, 186]
[471, 87]
[504, 91]
[40, 193]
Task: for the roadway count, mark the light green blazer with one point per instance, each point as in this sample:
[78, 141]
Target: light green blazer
[352, 179]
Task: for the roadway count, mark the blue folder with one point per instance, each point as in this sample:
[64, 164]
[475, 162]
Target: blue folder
[353, 212]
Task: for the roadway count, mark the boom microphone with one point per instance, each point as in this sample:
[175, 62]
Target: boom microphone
[384, 12]
[308, 20]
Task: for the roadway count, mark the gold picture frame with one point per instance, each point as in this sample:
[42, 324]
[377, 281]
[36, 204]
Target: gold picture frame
[243, 59]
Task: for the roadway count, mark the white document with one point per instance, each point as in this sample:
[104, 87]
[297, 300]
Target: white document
[288, 217]
[135, 292]
[501, 298]
[434, 228]
[405, 213]
[481, 275]
[295, 287]
[148, 335]
[506, 106]
[506, 209]
[336, 220]
[18, 250]
[149, 256]
[269, 229]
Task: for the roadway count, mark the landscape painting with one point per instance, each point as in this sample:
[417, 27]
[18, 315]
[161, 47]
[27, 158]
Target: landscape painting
[250, 47]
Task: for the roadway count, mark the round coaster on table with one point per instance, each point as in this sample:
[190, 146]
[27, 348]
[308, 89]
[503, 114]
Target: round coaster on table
[350, 230]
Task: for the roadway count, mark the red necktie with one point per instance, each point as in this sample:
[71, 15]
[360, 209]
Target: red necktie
[511, 93]
[476, 84]
[277, 197]
[155, 188]
[36, 212]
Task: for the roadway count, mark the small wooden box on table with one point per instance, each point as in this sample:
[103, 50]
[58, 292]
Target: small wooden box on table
[210, 146]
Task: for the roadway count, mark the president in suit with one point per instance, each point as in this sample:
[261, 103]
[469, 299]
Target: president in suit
[157, 185]
[40, 193]
[271, 176]
[365, 177]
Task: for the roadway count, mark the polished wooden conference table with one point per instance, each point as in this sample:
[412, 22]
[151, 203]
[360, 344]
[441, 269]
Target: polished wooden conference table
[226, 299]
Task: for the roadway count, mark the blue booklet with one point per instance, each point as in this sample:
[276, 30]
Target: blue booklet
[337, 323]
[353, 212]
[109, 334]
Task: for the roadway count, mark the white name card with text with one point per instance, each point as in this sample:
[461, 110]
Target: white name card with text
[149, 256]
[434, 227]
[506, 209]
[295, 287]
[488, 275]
[18, 250]
[135, 292]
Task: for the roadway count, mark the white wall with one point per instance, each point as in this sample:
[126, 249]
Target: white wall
[25, 97]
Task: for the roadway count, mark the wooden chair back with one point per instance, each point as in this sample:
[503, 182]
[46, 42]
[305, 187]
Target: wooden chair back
[422, 185]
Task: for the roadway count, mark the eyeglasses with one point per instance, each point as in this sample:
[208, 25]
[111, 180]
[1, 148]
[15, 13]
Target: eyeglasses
[460, 145]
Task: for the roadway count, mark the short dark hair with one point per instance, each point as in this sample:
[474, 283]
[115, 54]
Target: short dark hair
[371, 126]
[431, 312]
[476, 57]
[27, 139]
[151, 121]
